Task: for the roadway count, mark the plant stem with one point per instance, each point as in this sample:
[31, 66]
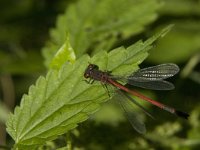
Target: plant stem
[69, 142]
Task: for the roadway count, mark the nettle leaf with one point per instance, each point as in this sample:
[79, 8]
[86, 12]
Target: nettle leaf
[66, 52]
[179, 45]
[96, 25]
[61, 100]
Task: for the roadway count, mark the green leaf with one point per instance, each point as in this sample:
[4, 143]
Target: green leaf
[96, 25]
[65, 53]
[63, 148]
[180, 7]
[195, 76]
[61, 100]
[3, 113]
[179, 45]
[14, 64]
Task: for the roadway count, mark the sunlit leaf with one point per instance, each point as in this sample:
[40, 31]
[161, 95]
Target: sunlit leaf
[61, 100]
[96, 25]
[64, 54]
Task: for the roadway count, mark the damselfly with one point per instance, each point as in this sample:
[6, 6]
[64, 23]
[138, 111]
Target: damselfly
[150, 78]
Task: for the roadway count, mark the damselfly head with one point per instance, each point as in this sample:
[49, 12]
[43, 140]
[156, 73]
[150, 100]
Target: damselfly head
[89, 70]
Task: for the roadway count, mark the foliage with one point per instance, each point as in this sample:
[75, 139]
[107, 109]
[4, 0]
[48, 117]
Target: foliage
[60, 100]
[95, 25]
[17, 63]
[180, 44]
[3, 113]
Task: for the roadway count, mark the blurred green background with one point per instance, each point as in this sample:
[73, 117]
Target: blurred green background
[32, 31]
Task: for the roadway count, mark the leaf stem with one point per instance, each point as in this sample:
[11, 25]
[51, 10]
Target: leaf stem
[69, 141]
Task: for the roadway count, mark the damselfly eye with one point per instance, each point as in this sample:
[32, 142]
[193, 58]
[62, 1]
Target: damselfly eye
[92, 66]
[89, 71]
[86, 75]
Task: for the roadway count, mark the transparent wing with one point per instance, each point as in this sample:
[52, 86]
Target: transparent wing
[153, 85]
[151, 77]
[154, 73]
[133, 118]
[136, 103]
